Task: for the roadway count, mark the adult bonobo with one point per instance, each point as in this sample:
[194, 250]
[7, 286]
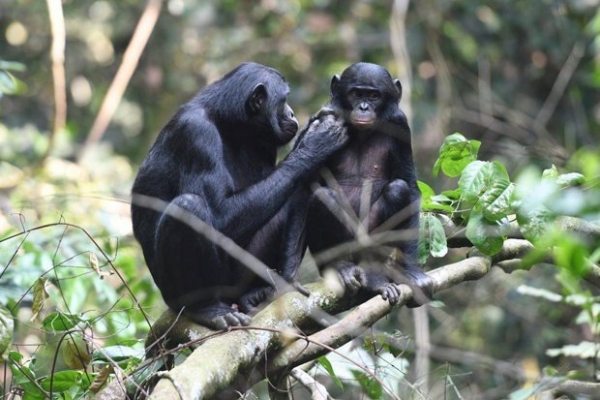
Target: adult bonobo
[370, 187]
[216, 160]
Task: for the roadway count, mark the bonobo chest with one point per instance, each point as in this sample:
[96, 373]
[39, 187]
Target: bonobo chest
[363, 158]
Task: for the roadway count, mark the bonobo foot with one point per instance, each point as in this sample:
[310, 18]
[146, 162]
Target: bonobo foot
[352, 276]
[216, 316]
[379, 283]
[421, 285]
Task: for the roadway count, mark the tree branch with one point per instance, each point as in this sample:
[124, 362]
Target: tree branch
[294, 329]
[111, 101]
[229, 360]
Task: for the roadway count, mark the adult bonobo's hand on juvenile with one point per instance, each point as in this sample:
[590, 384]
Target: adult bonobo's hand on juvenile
[372, 188]
[216, 160]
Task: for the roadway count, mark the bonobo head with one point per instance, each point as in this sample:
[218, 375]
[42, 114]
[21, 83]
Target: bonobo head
[268, 109]
[254, 96]
[363, 93]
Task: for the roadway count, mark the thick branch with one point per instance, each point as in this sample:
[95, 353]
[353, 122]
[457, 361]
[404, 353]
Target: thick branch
[228, 363]
[366, 314]
[227, 360]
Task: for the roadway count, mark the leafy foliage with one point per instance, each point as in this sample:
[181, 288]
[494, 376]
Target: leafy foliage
[486, 200]
[491, 67]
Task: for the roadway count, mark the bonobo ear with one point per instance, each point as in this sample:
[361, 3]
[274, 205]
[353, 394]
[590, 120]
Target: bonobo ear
[399, 87]
[257, 98]
[335, 83]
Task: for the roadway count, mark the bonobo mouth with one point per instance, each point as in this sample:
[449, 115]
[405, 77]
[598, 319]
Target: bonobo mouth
[288, 133]
[360, 123]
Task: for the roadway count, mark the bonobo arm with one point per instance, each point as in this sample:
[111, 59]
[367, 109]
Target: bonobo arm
[241, 214]
[291, 254]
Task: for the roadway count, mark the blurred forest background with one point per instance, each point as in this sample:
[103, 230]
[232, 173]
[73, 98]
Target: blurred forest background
[523, 77]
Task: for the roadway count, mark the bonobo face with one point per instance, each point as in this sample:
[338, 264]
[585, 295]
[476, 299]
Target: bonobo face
[364, 102]
[270, 113]
[364, 91]
[288, 124]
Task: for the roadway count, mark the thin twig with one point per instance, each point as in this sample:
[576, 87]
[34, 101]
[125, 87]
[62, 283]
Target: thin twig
[564, 76]
[132, 54]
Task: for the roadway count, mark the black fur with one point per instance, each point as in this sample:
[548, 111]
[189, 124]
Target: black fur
[370, 183]
[216, 160]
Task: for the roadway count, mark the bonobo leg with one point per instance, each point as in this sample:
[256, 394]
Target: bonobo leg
[411, 274]
[280, 245]
[330, 225]
[397, 209]
[330, 221]
[204, 291]
[392, 208]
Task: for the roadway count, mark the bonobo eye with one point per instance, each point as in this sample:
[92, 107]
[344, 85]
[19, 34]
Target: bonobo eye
[373, 96]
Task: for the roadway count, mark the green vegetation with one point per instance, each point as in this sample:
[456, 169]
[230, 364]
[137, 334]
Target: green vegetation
[518, 80]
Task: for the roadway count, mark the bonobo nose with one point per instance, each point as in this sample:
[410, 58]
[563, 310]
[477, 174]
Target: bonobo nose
[363, 107]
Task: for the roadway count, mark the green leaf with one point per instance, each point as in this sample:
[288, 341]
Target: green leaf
[22, 374]
[432, 202]
[57, 321]
[7, 327]
[479, 176]
[487, 236]
[534, 224]
[61, 381]
[473, 180]
[563, 180]
[432, 238]
[570, 179]
[571, 254]
[12, 66]
[371, 387]
[9, 84]
[455, 154]
[326, 364]
[426, 190]
[496, 201]
[39, 296]
[550, 173]
[117, 354]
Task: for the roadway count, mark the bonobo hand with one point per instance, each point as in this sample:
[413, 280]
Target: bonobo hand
[323, 137]
[250, 301]
[322, 113]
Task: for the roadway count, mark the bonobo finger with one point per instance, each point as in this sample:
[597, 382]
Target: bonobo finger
[236, 319]
[324, 112]
[300, 288]
[393, 293]
[355, 282]
[352, 277]
[350, 283]
[218, 323]
[315, 124]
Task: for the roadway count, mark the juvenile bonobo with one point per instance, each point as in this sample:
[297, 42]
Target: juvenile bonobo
[370, 187]
[216, 160]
